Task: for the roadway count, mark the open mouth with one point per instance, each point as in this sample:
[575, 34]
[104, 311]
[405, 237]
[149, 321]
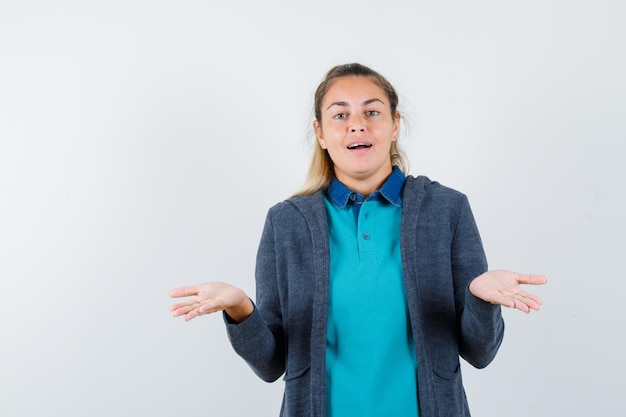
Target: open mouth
[359, 145]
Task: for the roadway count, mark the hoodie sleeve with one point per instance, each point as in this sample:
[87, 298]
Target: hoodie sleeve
[481, 327]
[259, 338]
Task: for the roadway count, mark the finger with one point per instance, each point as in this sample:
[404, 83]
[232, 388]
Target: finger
[517, 301]
[190, 302]
[180, 305]
[200, 311]
[192, 314]
[183, 292]
[532, 298]
[528, 302]
[532, 279]
[505, 301]
[181, 311]
[211, 306]
[186, 306]
[519, 305]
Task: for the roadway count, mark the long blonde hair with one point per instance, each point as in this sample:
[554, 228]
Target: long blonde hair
[321, 170]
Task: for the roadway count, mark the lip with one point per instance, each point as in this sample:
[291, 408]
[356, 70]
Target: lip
[360, 150]
[366, 145]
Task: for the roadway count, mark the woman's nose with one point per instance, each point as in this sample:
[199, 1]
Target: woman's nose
[357, 124]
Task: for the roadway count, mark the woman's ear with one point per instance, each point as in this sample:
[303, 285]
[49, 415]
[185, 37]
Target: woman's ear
[317, 127]
[396, 125]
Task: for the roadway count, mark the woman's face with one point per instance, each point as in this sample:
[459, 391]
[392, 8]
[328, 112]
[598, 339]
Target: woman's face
[357, 129]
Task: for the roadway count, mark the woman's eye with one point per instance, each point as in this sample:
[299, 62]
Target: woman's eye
[372, 112]
[340, 116]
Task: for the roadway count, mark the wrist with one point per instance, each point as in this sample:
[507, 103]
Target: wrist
[240, 312]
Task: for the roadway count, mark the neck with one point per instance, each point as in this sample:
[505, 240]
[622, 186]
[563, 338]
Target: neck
[367, 185]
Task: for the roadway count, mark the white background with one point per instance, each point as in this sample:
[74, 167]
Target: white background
[141, 144]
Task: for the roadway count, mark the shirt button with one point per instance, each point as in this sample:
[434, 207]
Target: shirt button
[352, 197]
[366, 236]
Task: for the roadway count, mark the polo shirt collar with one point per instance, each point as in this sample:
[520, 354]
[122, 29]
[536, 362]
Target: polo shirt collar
[391, 190]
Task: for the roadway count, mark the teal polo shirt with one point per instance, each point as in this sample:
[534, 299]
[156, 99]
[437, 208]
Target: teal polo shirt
[371, 366]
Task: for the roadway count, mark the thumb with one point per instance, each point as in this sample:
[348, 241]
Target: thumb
[183, 292]
[532, 279]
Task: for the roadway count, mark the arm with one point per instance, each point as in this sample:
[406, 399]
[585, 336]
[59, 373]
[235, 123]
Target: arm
[255, 333]
[259, 339]
[479, 324]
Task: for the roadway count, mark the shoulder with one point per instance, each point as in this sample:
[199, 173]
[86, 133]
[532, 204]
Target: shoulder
[423, 188]
[298, 209]
[297, 204]
[429, 202]
[297, 218]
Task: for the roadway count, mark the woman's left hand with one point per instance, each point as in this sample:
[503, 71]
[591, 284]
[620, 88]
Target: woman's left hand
[503, 287]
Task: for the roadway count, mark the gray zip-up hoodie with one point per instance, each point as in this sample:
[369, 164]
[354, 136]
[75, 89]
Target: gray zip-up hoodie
[441, 253]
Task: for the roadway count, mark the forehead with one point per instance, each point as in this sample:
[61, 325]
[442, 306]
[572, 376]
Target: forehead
[354, 88]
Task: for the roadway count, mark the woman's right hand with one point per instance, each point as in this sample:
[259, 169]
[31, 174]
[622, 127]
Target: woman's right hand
[212, 297]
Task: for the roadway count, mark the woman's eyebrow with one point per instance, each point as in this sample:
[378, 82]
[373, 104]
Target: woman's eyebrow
[345, 104]
[338, 103]
[371, 100]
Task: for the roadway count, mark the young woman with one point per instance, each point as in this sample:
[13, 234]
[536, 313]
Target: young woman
[370, 284]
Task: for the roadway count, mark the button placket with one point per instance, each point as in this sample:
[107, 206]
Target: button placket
[366, 242]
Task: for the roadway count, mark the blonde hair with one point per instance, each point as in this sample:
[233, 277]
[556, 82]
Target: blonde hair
[321, 170]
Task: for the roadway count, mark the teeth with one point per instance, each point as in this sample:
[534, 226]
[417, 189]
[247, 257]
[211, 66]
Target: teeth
[356, 145]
